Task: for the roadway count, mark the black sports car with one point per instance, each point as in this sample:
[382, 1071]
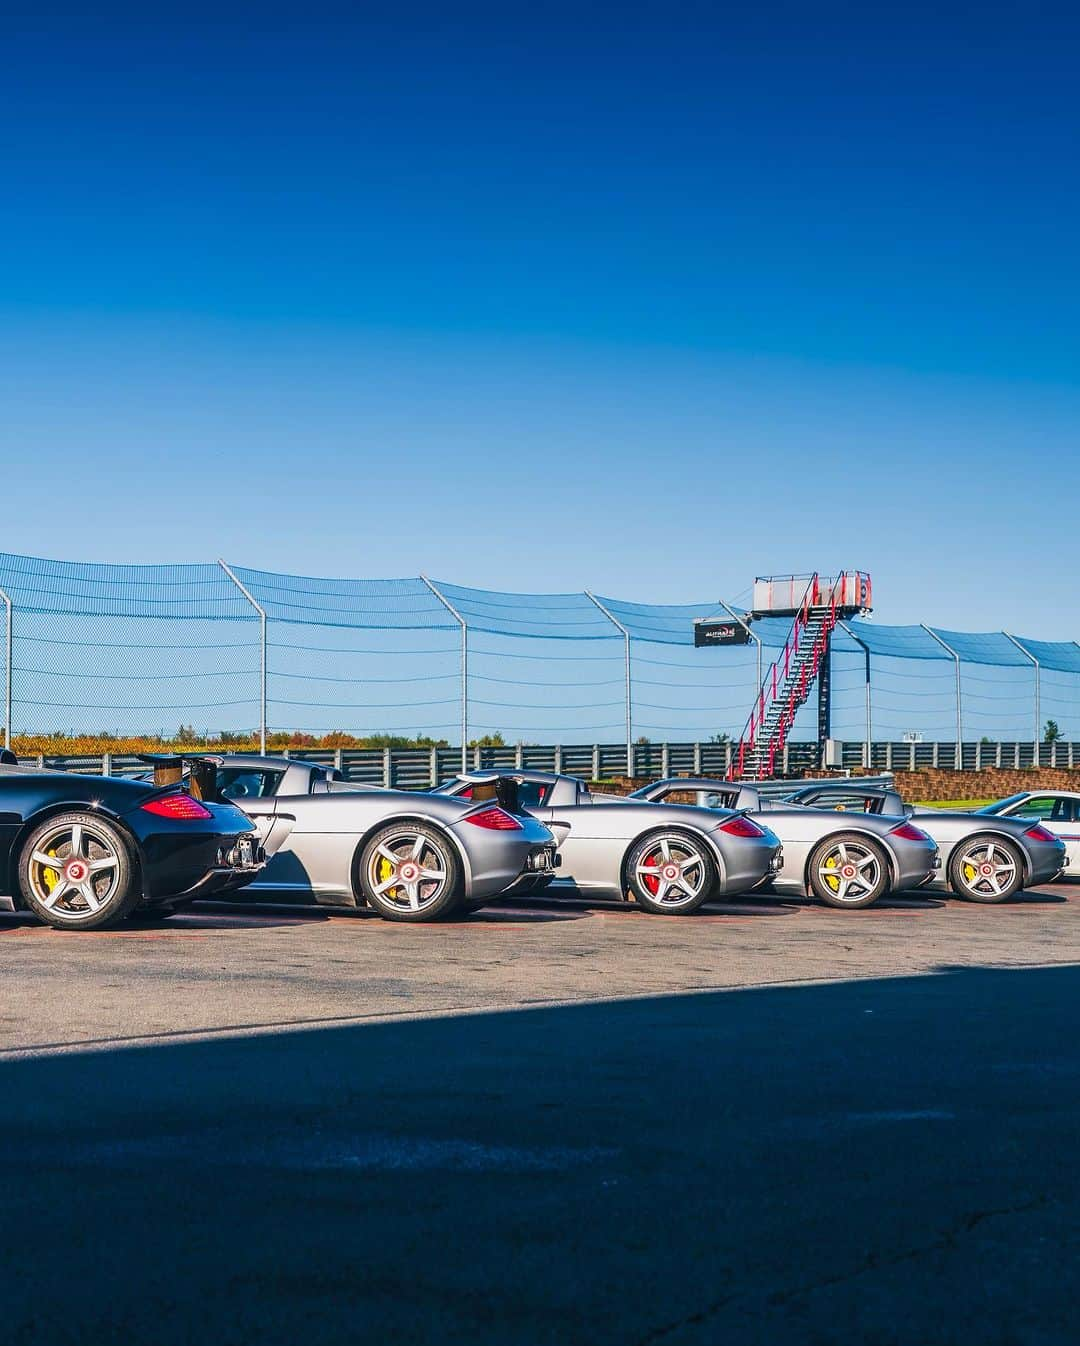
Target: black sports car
[83, 852]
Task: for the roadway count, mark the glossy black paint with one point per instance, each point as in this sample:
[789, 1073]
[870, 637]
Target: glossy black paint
[176, 857]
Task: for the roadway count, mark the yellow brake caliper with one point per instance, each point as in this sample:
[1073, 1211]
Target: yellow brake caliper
[385, 870]
[50, 876]
[833, 880]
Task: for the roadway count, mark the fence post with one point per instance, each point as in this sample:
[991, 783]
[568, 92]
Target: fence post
[7, 669]
[262, 663]
[629, 685]
[464, 669]
[959, 705]
[1038, 691]
[868, 750]
[755, 638]
[697, 759]
[387, 768]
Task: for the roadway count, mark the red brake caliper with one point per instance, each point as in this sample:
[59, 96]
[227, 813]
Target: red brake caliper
[651, 883]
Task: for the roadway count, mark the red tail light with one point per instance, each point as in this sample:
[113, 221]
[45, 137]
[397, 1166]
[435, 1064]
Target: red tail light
[908, 832]
[182, 808]
[1040, 833]
[495, 819]
[741, 826]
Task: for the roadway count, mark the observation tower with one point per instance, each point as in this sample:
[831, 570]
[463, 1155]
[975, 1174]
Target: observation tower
[814, 604]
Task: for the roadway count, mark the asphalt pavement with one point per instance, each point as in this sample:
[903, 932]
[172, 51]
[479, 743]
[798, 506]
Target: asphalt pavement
[550, 1123]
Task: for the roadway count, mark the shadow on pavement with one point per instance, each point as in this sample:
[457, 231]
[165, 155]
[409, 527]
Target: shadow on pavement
[882, 1161]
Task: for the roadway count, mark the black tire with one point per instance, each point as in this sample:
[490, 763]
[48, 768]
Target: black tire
[683, 867]
[95, 883]
[968, 876]
[849, 870]
[424, 862]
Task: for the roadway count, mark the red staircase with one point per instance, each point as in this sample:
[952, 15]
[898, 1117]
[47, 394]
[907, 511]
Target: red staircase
[791, 678]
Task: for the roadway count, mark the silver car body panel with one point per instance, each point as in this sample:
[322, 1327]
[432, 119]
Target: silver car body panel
[595, 832]
[801, 830]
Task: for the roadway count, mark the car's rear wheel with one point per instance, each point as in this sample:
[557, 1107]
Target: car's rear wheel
[76, 872]
[849, 870]
[410, 872]
[670, 873]
[986, 869]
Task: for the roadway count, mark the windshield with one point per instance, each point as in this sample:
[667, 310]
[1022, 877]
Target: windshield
[1003, 804]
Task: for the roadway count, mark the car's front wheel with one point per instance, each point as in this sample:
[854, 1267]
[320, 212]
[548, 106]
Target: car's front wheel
[986, 869]
[670, 873]
[410, 872]
[76, 872]
[849, 870]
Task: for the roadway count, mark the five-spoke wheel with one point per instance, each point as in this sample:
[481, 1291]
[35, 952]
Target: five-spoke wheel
[409, 872]
[985, 869]
[75, 872]
[848, 870]
[670, 873]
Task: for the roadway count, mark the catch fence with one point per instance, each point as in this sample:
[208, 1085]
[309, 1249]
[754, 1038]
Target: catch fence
[116, 650]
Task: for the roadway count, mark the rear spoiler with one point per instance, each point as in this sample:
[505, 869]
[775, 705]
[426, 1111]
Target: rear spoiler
[201, 769]
[503, 789]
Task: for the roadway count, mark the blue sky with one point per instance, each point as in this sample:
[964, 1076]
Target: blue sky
[648, 302]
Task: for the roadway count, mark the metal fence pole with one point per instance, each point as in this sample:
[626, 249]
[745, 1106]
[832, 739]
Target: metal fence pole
[959, 710]
[262, 662]
[464, 669]
[7, 670]
[746, 627]
[868, 752]
[1038, 692]
[629, 684]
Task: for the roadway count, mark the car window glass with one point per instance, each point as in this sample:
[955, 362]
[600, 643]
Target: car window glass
[841, 802]
[245, 783]
[1044, 808]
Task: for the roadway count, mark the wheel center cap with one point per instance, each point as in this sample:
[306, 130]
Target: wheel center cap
[671, 872]
[409, 872]
[76, 871]
[848, 871]
[987, 871]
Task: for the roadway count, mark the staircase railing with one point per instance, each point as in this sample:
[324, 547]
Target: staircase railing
[780, 681]
[773, 677]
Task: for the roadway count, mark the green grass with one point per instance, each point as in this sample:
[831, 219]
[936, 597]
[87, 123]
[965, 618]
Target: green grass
[952, 803]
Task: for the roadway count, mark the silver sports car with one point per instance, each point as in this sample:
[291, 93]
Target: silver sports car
[849, 863]
[671, 858]
[408, 856]
[985, 857]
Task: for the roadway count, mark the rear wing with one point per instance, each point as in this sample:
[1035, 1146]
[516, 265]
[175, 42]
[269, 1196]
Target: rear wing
[504, 790]
[200, 769]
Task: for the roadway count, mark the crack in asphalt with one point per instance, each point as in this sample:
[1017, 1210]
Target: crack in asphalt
[872, 1262]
